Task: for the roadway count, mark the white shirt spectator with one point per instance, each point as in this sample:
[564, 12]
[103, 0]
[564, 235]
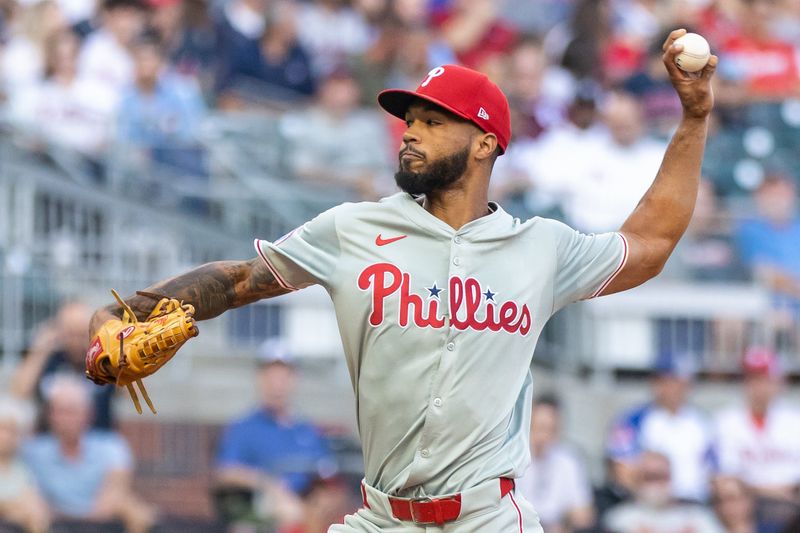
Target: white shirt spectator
[637, 518]
[331, 36]
[105, 60]
[21, 65]
[555, 483]
[512, 172]
[14, 481]
[615, 179]
[685, 438]
[78, 116]
[762, 456]
[244, 19]
[637, 20]
[77, 11]
[550, 162]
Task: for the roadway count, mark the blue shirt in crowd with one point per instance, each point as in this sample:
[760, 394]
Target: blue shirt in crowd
[169, 116]
[251, 74]
[295, 452]
[71, 486]
[763, 243]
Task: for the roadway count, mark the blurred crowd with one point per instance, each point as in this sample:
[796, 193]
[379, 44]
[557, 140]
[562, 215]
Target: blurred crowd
[582, 75]
[65, 460]
[668, 466]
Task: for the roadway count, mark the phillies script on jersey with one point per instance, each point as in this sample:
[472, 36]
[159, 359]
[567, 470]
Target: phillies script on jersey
[466, 300]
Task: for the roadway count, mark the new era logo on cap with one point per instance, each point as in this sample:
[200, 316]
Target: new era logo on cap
[458, 90]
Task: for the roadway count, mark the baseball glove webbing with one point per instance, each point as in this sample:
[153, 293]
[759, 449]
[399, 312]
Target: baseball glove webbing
[126, 350]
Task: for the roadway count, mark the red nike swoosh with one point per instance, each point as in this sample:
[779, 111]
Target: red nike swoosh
[380, 241]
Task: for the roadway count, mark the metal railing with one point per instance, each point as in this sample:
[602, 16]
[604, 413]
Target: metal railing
[63, 238]
[708, 325]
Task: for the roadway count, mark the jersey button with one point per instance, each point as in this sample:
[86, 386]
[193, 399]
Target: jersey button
[457, 239]
[425, 452]
[451, 346]
[437, 402]
[456, 261]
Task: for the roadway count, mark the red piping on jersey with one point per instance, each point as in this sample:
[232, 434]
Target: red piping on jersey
[618, 270]
[276, 243]
[364, 496]
[519, 513]
[282, 282]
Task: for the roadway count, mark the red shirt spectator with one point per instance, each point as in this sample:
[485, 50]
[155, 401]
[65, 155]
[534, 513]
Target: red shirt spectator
[475, 31]
[768, 67]
[716, 22]
[621, 58]
[755, 63]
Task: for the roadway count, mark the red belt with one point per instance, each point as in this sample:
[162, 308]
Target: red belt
[434, 510]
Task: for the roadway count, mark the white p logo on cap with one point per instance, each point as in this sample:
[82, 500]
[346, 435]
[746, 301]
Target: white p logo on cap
[438, 71]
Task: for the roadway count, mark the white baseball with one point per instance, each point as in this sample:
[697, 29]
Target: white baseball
[695, 54]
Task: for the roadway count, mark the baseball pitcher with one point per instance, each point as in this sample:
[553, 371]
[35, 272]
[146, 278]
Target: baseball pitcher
[440, 297]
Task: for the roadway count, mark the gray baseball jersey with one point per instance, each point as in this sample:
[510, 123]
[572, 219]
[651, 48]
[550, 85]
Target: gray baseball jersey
[439, 327]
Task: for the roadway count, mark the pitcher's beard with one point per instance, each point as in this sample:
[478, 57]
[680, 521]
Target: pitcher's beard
[437, 176]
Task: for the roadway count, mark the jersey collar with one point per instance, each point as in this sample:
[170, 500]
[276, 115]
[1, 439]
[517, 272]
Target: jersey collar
[412, 208]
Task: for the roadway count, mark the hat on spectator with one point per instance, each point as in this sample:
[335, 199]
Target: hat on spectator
[274, 351]
[761, 361]
[464, 92]
[675, 364]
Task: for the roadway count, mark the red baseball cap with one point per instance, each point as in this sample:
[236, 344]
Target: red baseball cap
[760, 361]
[462, 91]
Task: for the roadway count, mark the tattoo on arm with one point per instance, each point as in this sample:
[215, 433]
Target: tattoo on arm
[211, 288]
